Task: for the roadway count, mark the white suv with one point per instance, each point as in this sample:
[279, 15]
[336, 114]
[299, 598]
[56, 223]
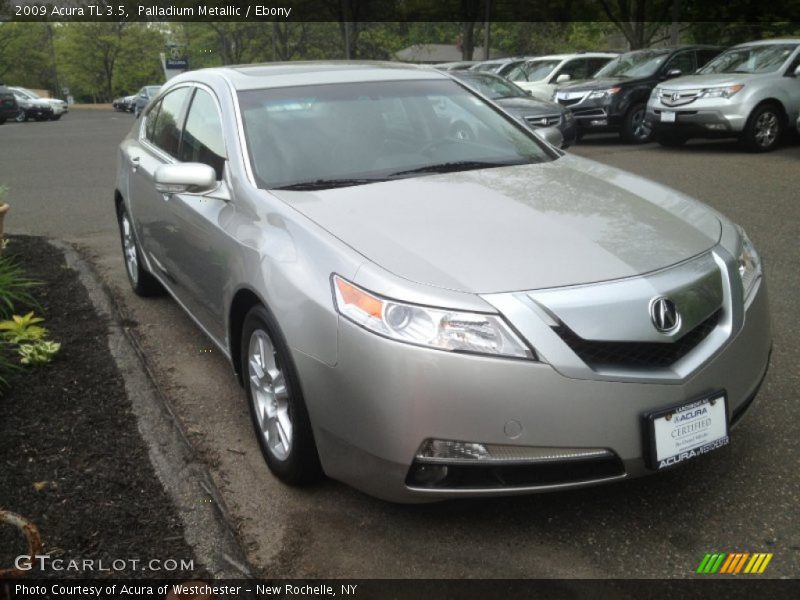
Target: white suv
[750, 91]
[540, 76]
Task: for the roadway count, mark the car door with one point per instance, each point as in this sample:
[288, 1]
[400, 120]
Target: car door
[791, 84]
[158, 144]
[199, 256]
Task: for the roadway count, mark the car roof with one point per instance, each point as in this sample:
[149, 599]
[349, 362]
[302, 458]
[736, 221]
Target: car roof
[297, 73]
[576, 55]
[769, 42]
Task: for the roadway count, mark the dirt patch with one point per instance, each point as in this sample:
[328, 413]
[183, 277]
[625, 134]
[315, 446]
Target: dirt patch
[71, 457]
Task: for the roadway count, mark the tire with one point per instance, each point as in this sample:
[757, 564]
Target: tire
[55, 117]
[142, 282]
[21, 117]
[634, 127]
[2, 120]
[277, 409]
[671, 139]
[764, 129]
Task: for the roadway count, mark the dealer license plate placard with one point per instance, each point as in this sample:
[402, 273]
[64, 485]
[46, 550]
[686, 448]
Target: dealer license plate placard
[684, 432]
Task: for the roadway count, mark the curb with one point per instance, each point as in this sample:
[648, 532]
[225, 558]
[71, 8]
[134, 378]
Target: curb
[207, 525]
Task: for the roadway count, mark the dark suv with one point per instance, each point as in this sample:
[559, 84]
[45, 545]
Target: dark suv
[615, 99]
[8, 104]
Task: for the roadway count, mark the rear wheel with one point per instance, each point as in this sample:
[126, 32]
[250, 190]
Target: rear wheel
[142, 282]
[635, 129]
[277, 409]
[764, 129]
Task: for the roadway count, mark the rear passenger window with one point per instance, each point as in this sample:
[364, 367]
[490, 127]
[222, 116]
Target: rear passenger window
[202, 135]
[167, 128]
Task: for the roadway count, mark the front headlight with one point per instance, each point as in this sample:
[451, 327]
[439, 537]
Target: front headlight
[604, 93]
[721, 92]
[749, 264]
[443, 329]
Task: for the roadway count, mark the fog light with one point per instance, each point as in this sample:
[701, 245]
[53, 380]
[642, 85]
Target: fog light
[715, 126]
[429, 474]
[598, 122]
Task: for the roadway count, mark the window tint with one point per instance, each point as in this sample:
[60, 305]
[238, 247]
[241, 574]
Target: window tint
[576, 69]
[150, 122]
[167, 129]
[202, 135]
[703, 56]
[595, 64]
[684, 62]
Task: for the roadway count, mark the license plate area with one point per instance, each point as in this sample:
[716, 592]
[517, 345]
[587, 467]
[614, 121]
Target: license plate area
[667, 116]
[685, 431]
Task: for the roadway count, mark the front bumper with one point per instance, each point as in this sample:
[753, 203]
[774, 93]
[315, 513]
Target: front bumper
[373, 409]
[697, 122]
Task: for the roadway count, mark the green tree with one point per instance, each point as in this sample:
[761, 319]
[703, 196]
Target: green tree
[88, 57]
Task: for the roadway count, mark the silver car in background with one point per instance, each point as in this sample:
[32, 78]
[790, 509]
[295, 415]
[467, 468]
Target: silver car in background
[425, 316]
[750, 91]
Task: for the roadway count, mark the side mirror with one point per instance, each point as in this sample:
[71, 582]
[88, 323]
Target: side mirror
[674, 73]
[563, 78]
[551, 135]
[185, 177]
[529, 93]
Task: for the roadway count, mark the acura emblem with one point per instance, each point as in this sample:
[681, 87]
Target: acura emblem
[664, 315]
[675, 96]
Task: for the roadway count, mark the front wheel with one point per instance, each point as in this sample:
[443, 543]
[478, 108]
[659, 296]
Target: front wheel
[21, 117]
[55, 117]
[764, 129]
[277, 409]
[142, 282]
[635, 129]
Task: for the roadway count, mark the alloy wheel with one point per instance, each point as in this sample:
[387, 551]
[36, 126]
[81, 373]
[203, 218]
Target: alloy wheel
[766, 129]
[129, 245]
[641, 130]
[270, 395]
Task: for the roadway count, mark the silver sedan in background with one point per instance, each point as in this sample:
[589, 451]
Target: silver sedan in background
[424, 315]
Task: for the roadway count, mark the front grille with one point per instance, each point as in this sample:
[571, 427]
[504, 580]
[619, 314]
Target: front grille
[637, 354]
[509, 476]
[678, 98]
[544, 121]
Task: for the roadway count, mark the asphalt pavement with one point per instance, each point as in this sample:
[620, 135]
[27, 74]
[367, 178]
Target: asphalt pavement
[743, 498]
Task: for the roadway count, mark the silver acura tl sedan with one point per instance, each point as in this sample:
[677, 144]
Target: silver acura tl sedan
[423, 315]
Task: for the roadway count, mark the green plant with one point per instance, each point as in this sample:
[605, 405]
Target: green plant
[22, 329]
[14, 286]
[38, 353]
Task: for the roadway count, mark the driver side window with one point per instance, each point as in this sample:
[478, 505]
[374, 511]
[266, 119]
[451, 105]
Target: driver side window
[684, 62]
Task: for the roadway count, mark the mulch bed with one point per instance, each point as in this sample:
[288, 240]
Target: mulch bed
[71, 458]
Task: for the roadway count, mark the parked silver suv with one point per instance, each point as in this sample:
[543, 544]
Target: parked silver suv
[750, 91]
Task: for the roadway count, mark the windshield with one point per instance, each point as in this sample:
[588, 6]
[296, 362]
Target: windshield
[751, 59]
[634, 64]
[346, 134]
[533, 70]
[493, 87]
[152, 90]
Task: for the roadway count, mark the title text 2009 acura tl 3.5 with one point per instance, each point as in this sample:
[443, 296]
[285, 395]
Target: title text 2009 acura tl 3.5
[424, 314]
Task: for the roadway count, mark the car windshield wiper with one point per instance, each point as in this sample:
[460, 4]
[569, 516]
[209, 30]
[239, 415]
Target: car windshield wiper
[458, 165]
[324, 184]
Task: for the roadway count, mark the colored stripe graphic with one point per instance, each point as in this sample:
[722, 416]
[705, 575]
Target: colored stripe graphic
[734, 563]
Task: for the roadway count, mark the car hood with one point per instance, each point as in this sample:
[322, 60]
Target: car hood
[594, 84]
[529, 106]
[40, 102]
[693, 82]
[564, 222]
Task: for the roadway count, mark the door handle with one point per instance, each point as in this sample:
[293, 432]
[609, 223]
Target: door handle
[135, 160]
